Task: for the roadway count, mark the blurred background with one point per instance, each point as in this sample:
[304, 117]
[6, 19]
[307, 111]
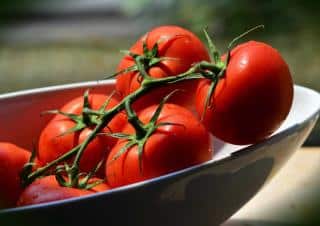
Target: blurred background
[49, 42]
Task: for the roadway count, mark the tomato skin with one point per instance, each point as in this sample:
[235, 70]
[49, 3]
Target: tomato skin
[169, 148]
[12, 160]
[52, 144]
[47, 189]
[253, 98]
[183, 47]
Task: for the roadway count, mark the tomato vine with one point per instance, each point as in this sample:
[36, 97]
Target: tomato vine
[208, 70]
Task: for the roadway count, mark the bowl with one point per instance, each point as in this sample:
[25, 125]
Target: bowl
[205, 194]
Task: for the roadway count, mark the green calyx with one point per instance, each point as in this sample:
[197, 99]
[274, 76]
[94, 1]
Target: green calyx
[143, 62]
[221, 66]
[71, 177]
[88, 116]
[142, 131]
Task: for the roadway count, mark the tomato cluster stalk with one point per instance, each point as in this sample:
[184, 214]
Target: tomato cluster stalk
[203, 70]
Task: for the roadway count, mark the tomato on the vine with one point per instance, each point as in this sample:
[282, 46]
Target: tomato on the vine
[12, 160]
[47, 189]
[181, 141]
[55, 140]
[252, 99]
[179, 50]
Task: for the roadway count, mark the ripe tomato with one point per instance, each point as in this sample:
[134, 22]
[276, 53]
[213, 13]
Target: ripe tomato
[252, 99]
[184, 143]
[12, 160]
[47, 189]
[181, 47]
[52, 144]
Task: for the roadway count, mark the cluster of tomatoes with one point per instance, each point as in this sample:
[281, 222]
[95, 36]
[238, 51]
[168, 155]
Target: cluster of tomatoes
[160, 126]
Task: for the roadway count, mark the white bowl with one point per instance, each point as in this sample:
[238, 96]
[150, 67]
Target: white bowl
[205, 194]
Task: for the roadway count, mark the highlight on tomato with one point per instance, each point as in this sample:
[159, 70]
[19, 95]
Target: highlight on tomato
[72, 125]
[251, 99]
[166, 51]
[174, 140]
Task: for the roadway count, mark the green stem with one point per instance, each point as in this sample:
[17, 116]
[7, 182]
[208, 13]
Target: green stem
[212, 71]
[40, 171]
[150, 83]
[146, 85]
[261, 26]
[214, 54]
[215, 68]
[134, 120]
[140, 65]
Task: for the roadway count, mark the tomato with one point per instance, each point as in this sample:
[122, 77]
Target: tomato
[12, 160]
[47, 189]
[53, 144]
[181, 47]
[172, 147]
[252, 99]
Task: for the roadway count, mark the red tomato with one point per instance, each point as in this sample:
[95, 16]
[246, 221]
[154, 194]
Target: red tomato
[182, 47]
[252, 99]
[169, 148]
[12, 160]
[47, 189]
[52, 144]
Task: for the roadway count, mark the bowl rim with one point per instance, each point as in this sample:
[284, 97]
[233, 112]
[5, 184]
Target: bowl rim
[189, 170]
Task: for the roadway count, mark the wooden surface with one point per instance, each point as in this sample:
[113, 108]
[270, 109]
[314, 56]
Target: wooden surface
[292, 197]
